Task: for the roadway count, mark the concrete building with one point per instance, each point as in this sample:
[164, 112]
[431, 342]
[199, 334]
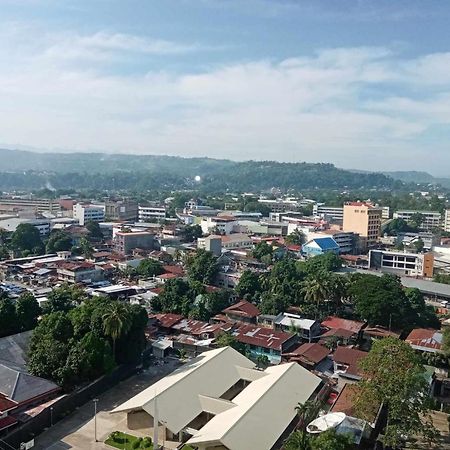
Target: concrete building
[121, 210]
[364, 219]
[126, 242]
[219, 225]
[306, 328]
[211, 243]
[346, 240]
[431, 219]
[220, 401]
[446, 224]
[151, 212]
[72, 272]
[85, 212]
[402, 263]
[333, 213]
[11, 224]
[35, 205]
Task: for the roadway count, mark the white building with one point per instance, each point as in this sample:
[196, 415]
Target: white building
[11, 224]
[329, 212]
[431, 219]
[446, 225]
[146, 213]
[219, 400]
[84, 213]
[218, 225]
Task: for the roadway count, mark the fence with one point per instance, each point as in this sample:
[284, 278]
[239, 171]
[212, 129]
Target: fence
[63, 407]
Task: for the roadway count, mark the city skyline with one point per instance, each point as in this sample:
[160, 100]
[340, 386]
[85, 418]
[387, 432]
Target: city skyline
[363, 86]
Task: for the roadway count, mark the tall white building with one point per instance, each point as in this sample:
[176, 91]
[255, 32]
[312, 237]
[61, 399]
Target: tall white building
[446, 224]
[431, 219]
[84, 213]
[329, 212]
[149, 212]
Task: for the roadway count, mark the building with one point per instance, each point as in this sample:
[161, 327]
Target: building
[217, 399]
[218, 225]
[125, 242]
[121, 210]
[309, 355]
[446, 224]
[73, 272]
[306, 328]
[211, 244]
[85, 212]
[11, 224]
[364, 219]
[346, 240]
[425, 340]
[402, 263]
[34, 205]
[431, 219]
[242, 311]
[320, 246]
[151, 212]
[236, 241]
[346, 362]
[331, 213]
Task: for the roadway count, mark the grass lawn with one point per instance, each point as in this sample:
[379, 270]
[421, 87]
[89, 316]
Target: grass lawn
[125, 442]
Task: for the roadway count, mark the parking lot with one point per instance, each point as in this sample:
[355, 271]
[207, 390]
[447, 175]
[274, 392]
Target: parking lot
[77, 430]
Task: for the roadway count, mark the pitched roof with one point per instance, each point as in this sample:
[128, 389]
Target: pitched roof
[333, 322]
[243, 308]
[261, 337]
[166, 320]
[425, 339]
[19, 386]
[310, 353]
[349, 357]
[325, 243]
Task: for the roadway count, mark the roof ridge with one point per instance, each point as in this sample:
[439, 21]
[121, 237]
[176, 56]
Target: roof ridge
[15, 385]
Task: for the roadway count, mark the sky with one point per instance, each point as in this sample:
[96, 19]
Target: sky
[363, 84]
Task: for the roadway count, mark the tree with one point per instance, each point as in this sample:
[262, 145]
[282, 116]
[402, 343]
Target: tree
[86, 248]
[249, 285]
[419, 245]
[394, 377]
[331, 440]
[27, 311]
[446, 340]
[262, 249]
[315, 290]
[202, 266]
[63, 298]
[94, 229]
[27, 238]
[8, 317]
[273, 303]
[59, 241]
[262, 361]
[416, 220]
[228, 340]
[191, 233]
[297, 237]
[116, 322]
[255, 206]
[4, 252]
[298, 440]
[149, 268]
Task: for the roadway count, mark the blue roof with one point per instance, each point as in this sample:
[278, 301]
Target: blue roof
[326, 243]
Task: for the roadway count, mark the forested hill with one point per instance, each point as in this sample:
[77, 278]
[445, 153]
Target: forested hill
[29, 170]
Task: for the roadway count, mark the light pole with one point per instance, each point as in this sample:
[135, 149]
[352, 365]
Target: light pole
[95, 400]
[51, 416]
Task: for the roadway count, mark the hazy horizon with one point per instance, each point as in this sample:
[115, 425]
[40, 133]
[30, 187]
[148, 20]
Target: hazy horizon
[364, 84]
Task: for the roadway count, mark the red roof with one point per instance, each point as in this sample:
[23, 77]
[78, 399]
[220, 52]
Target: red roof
[333, 322]
[167, 320]
[349, 357]
[196, 327]
[177, 270]
[428, 339]
[310, 353]
[261, 337]
[345, 400]
[167, 276]
[6, 404]
[338, 332]
[243, 309]
[7, 422]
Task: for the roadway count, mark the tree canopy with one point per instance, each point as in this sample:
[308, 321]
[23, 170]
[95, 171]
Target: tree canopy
[201, 266]
[27, 238]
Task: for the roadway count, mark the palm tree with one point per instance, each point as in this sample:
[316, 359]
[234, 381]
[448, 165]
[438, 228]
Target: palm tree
[306, 412]
[315, 290]
[116, 323]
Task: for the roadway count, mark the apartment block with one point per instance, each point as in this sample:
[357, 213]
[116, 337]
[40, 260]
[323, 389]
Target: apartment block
[402, 263]
[364, 219]
[84, 212]
[36, 205]
[151, 212]
[446, 224]
[126, 242]
[334, 213]
[431, 219]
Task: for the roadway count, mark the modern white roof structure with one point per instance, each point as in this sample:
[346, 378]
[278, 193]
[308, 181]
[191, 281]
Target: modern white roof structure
[266, 404]
[288, 319]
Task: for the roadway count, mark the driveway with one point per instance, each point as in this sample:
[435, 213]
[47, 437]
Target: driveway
[76, 431]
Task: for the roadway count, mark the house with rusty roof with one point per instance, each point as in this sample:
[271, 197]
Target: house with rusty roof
[425, 340]
[309, 355]
[346, 362]
[242, 311]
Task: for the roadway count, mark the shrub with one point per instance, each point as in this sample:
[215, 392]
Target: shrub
[147, 442]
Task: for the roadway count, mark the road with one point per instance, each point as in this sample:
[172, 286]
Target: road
[76, 431]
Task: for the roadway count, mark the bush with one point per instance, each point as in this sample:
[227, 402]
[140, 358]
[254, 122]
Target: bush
[136, 443]
[147, 442]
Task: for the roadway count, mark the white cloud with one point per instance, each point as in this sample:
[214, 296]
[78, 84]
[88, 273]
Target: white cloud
[333, 106]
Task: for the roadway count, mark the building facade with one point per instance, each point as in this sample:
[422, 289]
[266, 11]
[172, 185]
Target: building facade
[364, 219]
[125, 242]
[151, 212]
[431, 219]
[84, 213]
[121, 210]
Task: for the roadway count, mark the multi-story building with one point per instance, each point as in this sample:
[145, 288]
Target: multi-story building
[385, 212]
[11, 224]
[121, 210]
[125, 242]
[364, 219]
[211, 244]
[346, 240]
[79, 272]
[431, 219]
[85, 212]
[36, 205]
[402, 263]
[446, 225]
[335, 213]
[218, 225]
[151, 212]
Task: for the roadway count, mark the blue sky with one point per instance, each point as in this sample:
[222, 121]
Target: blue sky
[362, 84]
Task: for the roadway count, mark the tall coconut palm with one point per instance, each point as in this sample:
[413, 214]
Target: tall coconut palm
[315, 290]
[116, 323]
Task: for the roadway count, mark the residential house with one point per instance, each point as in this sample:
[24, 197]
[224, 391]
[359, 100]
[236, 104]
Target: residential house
[242, 311]
[309, 355]
[307, 329]
[349, 330]
[125, 242]
[425, 340]
[320, 246]
[346, 362]
[78, 272]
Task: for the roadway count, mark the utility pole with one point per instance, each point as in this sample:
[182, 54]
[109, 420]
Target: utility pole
[95, 400]
[51, 416]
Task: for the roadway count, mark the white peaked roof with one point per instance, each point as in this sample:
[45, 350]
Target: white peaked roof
[261, 412]
[211, 374]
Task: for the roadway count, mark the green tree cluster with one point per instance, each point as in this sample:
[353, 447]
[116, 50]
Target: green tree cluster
[191, 233]
[17, 316]
[201, 266]
[26, 240]
[70, 347]
[149, 268]
[58, 241]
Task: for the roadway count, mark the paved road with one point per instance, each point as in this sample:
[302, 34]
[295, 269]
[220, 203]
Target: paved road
[77, 430]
